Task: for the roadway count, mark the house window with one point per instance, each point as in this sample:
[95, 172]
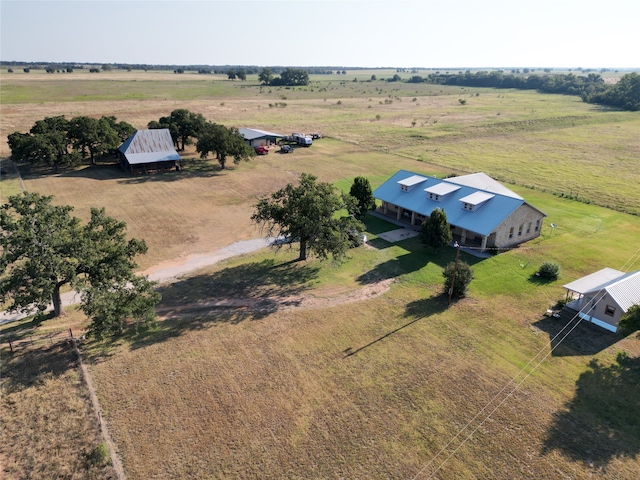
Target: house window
[529, 227]
[511, 232]
[520, 229]
[537, 225]
[610, 310]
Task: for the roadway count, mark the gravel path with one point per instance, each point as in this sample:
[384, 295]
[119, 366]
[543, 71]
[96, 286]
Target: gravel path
[171, 270]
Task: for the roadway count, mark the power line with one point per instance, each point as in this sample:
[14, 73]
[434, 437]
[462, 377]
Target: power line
[590, 305]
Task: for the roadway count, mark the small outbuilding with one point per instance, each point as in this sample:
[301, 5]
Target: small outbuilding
[149, 151]
[256, 138]
[604, 296]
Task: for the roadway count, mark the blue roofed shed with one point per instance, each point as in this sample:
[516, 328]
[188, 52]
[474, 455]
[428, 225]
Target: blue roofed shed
[481, 211]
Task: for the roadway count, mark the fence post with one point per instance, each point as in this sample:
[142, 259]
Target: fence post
[70, 334]
[10, 346]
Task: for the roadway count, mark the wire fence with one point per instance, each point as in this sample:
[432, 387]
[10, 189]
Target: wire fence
[17, 343]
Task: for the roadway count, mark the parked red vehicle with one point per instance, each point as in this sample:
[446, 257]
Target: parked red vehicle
[261, 150]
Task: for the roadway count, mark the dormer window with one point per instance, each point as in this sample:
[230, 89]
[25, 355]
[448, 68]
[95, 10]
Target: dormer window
[408, 183]
[475, 200]
[440, 190]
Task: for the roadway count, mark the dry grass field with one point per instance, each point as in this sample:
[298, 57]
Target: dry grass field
[353, 370]
[48, 427]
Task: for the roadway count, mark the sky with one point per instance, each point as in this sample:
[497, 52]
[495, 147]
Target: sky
[338, 33]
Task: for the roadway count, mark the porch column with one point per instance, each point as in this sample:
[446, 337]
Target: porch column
[483, 247]
[463, 236]
[384, 207]
[398, 213]
[413, 217]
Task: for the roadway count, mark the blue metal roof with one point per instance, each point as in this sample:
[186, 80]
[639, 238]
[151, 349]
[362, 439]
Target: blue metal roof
[484, 218]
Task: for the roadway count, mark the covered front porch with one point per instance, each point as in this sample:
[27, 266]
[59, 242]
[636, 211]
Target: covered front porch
[406, 217]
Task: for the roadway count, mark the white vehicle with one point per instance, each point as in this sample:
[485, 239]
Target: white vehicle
[302, 139]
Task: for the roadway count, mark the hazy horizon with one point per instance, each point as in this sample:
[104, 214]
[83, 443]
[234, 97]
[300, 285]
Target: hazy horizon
[425, 34]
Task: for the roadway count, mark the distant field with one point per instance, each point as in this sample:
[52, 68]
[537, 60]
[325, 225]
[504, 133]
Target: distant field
[550, 142]
[275, 393]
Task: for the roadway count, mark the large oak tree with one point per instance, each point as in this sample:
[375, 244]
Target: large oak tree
[308, 213]
[45, 248]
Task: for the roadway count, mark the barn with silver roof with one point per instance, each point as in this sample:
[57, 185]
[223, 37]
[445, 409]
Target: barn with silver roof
[149, 150]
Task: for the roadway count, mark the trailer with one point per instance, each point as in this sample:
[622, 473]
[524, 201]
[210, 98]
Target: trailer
[302, 139]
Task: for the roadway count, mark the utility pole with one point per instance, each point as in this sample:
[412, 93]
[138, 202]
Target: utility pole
[455, 269]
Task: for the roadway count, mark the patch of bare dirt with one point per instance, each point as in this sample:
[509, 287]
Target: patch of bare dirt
[371, 290]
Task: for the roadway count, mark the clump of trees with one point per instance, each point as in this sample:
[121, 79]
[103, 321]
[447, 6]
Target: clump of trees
[187, 128]
[625, 94]
[591, 88]
[45, 248]
[290, 77]
[183, 125]
[240, 74]
[57, 142]
[308, 213]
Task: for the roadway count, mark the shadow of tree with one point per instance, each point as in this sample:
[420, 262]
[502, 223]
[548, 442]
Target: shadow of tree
[416, 258]
[407, 263]
[232, 295]
[584, 339]
[418, 310]
[539, 280]
[32, 366]
[602, 421]
[426, 307]
[192, 168]
[377, 225]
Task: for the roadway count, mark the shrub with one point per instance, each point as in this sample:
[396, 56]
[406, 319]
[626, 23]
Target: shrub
[630, 321]
[463, 277]
[549, 270]
[99, 456]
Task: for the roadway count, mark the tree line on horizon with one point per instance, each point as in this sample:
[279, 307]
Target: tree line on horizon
[592, 88]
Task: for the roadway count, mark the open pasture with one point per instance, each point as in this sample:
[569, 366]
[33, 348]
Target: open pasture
[352, 384]
[552, 143]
